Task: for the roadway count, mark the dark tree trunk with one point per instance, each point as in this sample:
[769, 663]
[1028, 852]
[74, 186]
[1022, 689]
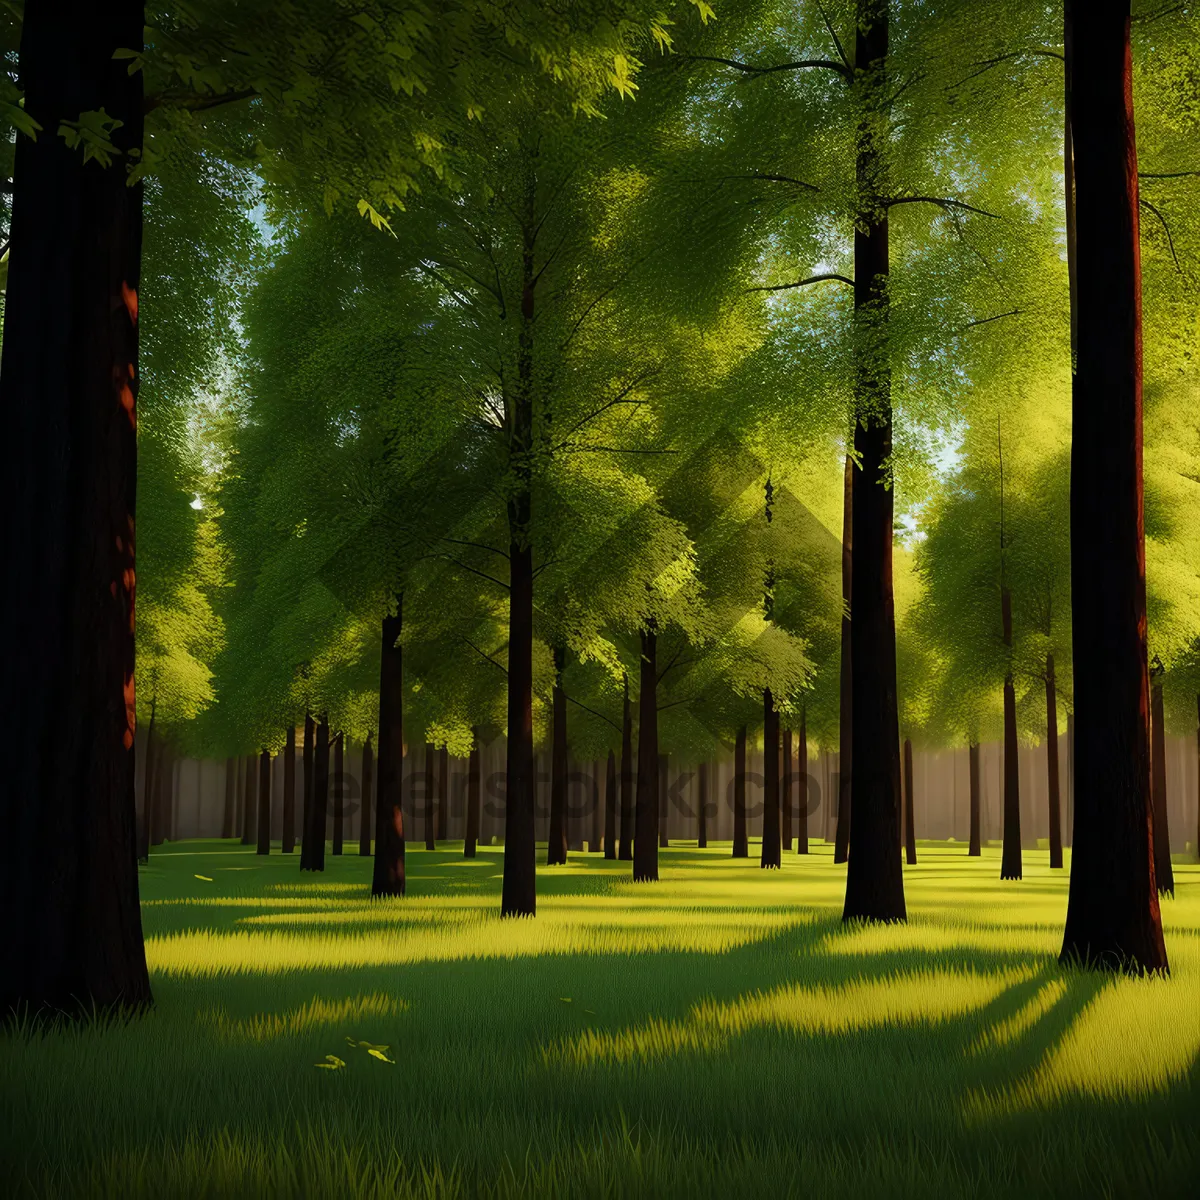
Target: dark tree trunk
[741, 843]
[387, 878]
[288, 833]
[312, 853]
[786, 785]
[645, 842]
[556, 845]
[802, 793]
[770, 854]
[307, 850]
[975, 848]
[1010, 861]
[367, 807]
[443, 802]
[429, 802]
[339, 793]
[626, 849]
[611, 803]
[68, 382]
[1056, 846]
[250, 801]
[1164, 875]
[664, 791]
[264, 803]
[702, 807]
[229, 811]
[910, 825]
[1113, 917]
[875, 877]
[841, 837]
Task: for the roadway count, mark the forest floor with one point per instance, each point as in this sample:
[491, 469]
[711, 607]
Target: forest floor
[719, 1034]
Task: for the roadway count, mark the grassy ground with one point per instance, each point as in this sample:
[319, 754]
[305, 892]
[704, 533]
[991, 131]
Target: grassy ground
[719, 1034]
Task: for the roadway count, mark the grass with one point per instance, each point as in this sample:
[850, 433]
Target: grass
[719, 1034]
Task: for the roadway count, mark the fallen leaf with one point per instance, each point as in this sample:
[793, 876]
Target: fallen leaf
[331, 1063]
[206, 878]
[379, 1054]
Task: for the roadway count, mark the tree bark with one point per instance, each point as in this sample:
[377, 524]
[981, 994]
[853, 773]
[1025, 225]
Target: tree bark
[702, 807]
[387, 876]
[1056, 846]
[264, 803]
[802, 793]
[312, 853]
[786, 785]
[975, 849]
[910, 825]
[288, 833]
[556, 845]
[626, 849]
[1010, 860]
[770, 856]
[307, 850]
[1164, 874]
[339, 793]
[68, 383]
[741, 843]
[645, 843]
[366, 808]
[1113, 918]
[874, 876]
[611, 804]
[841, 837]
[471, 841]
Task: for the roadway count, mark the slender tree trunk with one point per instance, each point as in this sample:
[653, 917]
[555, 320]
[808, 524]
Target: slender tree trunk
[786, 786]
[770, 854]
[229, 811]
[645, 843]
[1056, 846]
[312, 854]
[473, 780]
[143, 824]
[874, 878]
[664, 791]
[556, 846]
[250, 797]
[443, 803]
[264, 803]
[1010, 861]
[1164, 874]
[841, 837]
[339, 793]
[626, 849]
[288, 832]
[802, 796]
[1113, 917]
[367, 808]
[910, 825]
[976, 846]
[1070, 831]
[387, 878]
[68, 383]
[308, 850]
[430, 804]
[702, 807]
[611, 804]
[741, 843]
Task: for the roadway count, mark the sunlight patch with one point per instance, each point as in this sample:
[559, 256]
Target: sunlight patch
[318, 1012]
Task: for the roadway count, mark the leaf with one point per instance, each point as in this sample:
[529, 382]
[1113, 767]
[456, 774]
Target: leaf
[331, 1063]
[206, 878]
[566, 999]
[379, 1054]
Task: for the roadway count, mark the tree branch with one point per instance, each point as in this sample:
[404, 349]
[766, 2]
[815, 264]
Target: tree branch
[485, 657]
[1166, 230]
[800, 65]
[783, 287]
[941, 202]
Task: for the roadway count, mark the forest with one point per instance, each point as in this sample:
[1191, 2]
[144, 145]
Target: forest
[604, 597]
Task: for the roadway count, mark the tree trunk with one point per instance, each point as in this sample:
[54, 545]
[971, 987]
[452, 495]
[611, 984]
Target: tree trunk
[312, 854]
[611, 804]
[229, 811]
[366, 808]
[387, 877]
[471, 841]
[976, 846]
[786, 785]
[430, 802]
[1113, 917]
[68, 382]
[443, 798]
[1010, 861]
[645, 842]
[741, 844]
[770, 853]
[339, 793]
[910, 825]
[250, 798]
[664, 791]
[264, 803]
[702, 808]
[802, 793]
[556, 845]
[288, 833]
[1056, 846]
[307, 849]
[841, 837]
[626, 850]
[874, 876]
[1164, 875]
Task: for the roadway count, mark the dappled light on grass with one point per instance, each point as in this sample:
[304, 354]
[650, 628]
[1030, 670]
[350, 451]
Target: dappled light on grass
[895, 1001]
[317, 1013]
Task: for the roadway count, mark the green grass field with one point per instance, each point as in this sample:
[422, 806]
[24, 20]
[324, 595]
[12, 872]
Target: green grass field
[719, 1034]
